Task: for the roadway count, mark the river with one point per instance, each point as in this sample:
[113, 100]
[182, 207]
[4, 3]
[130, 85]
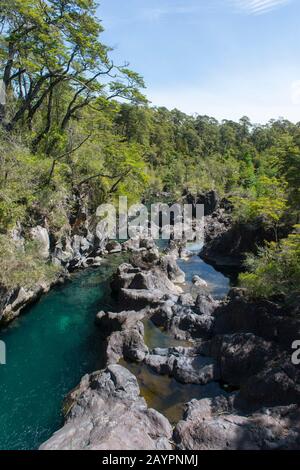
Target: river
[55, 342]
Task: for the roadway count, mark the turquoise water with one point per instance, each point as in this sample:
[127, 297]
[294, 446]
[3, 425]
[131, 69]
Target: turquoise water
[48, 350]
[56, 342]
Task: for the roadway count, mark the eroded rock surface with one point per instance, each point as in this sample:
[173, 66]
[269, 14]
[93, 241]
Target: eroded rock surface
[214, 424]
[106, 412]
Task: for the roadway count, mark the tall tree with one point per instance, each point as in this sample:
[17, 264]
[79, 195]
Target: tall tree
[46, 43]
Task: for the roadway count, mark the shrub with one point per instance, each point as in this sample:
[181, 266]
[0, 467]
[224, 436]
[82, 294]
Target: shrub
[23, 266]
[276, 269]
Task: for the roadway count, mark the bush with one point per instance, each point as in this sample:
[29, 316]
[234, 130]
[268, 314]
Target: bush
[276, 269]
[22, 266]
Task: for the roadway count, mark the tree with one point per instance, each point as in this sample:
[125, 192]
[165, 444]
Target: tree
[268, 203]
[276, 269]
[45, 44]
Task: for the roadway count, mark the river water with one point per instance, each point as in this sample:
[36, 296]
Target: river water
[55, 342]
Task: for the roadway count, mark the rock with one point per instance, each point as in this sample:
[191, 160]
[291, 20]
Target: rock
[123, 277]
[186, 365]
[146, 259]
[97, 261]
[147, 243]
[106, 412]
[277, 384]
[101, 236]
[132, 244]
[13, 301]
[262, 318]
[186, 299]
[124, 332]
[213, 424]
[41, 236]
[137, 289]
[209, 200]
[240, 356]
[195, 370]
[185, 254]
[170, 267]
[140, 298]
[113, 247]
[205, 304]
[17, 236]
[231, 242]
[182, 322]
[63, 252]
[199, 282]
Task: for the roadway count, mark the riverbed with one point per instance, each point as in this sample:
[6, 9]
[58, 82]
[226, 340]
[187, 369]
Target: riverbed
[55, 342]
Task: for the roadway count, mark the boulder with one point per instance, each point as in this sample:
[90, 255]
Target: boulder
[182, 322]
[132, 244]
[113, 247]
[171, 268]
[205, 304]
[197, 281]
[240, 356]
[186, 299]
[106, 412]
[137, 288]
[186, 365]
[277, 384]
[213, 424]
[124, 332]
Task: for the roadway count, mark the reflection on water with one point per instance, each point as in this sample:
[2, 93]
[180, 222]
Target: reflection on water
[165, 394]
[218, 284]
[49, 349]
[157, 338]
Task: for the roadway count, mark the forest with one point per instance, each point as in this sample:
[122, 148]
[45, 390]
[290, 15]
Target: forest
[73, 124]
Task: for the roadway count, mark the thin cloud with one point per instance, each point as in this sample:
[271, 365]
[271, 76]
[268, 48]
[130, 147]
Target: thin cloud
[259, 7]
[153, 14]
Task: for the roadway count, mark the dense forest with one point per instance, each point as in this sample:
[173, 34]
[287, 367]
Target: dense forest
[76, 125]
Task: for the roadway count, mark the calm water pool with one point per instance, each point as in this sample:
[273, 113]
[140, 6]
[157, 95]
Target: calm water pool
[48, 350]
[56, 342]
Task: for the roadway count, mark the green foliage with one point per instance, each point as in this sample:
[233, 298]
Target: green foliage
[267, 201]
[22, 266]
[276, 270]
[76, 126]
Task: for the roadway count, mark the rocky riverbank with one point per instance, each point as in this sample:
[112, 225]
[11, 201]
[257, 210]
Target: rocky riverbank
[83, 242]
[241, 345]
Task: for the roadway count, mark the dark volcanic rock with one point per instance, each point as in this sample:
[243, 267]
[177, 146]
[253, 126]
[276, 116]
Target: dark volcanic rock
[209, 199]
[205, 304]
[137, 288]
[106, 412]
[170, 267]
[186, 365]
[230, 243]
[262, 318]
[240, 356]
[182, 321]
[124, 333]
[213, 424]
[277, 384]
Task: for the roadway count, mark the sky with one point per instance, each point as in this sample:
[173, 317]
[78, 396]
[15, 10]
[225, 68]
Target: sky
[223, 58]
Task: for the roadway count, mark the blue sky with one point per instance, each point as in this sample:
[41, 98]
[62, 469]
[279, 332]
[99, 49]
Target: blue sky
[224, 58]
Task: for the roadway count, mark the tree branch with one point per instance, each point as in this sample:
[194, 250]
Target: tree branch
[103, 175]
[60, 157]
